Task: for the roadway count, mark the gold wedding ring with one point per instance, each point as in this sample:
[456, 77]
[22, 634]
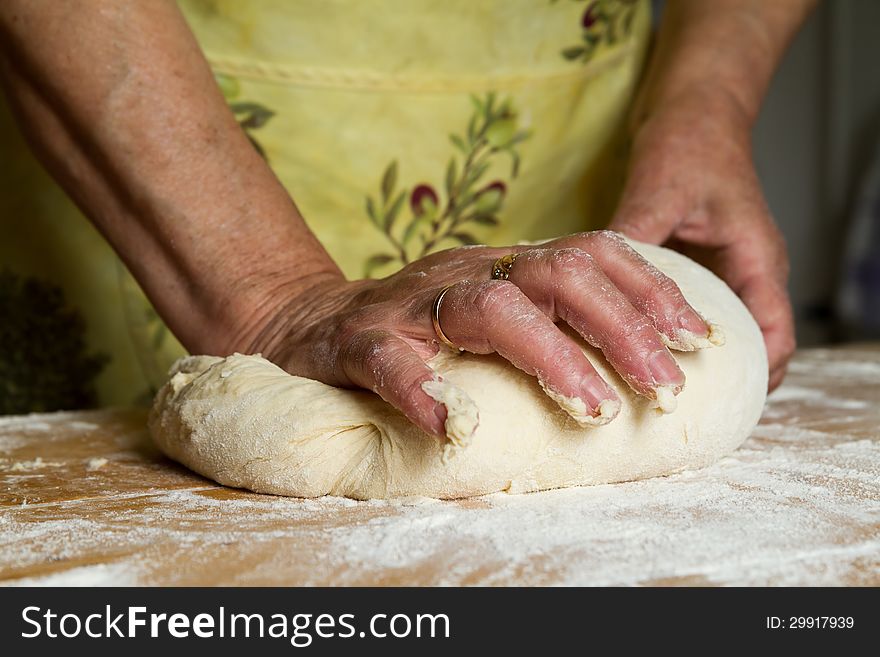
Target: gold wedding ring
[501, 268]
[435, 317]
[500, 272]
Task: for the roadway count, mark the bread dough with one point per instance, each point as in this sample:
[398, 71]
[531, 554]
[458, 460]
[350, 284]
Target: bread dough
[244, 422]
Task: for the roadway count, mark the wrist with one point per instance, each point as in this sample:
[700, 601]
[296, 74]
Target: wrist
[274, 305]
[698, 112]
[706, 102]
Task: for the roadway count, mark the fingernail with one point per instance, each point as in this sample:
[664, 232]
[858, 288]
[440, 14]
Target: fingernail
[595, 391]
[691, 321]
[587, 409]
[664, 369]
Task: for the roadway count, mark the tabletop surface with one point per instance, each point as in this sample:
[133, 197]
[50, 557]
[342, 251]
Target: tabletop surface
[85, 499]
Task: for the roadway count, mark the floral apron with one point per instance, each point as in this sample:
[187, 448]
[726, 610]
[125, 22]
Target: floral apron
[400, 127]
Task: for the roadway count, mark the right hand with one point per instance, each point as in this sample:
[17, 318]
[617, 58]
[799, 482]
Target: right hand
[378, 334]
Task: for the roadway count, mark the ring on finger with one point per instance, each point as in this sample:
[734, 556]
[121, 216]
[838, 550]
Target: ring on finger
[501, 267]
[435, 317]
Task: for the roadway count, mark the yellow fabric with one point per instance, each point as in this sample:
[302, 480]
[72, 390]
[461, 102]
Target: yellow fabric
[357, 106]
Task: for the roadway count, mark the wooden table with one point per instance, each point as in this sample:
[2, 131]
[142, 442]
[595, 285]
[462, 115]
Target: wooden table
[86, 499]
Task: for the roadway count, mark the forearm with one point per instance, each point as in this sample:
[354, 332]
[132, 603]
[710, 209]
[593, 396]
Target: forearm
[723, 51]
[122, 109]
[691, 181]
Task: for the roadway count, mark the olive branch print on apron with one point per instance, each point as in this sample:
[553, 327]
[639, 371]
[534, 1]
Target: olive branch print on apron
[434, 219]
[603, 22]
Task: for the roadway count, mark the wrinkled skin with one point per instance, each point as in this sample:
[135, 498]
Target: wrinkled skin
[378, 334]
[693, 186]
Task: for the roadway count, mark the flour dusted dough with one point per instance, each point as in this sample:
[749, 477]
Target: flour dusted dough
[244, 422]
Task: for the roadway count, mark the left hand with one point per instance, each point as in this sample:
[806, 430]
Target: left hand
[692, 185]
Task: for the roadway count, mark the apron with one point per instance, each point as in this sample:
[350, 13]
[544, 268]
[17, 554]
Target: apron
[400, 127]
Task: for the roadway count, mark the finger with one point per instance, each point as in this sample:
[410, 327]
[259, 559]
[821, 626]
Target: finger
[651, 206]
[768, 302]
[569, 285]
[776, 377]
[496, 317]
[647, 214]
[649, 290]
[381, 362]
[641, 222]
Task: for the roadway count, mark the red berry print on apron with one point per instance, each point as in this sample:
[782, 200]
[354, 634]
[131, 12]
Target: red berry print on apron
[603, 22]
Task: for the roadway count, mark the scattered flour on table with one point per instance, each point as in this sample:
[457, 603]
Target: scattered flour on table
[47, 421]
[114, 574]
[751, 519]
[28, 466]
[83, 426]
[766, 515]
[797, 393]
[823, 362]
[793, 506]
[96, 463]
[16, 430]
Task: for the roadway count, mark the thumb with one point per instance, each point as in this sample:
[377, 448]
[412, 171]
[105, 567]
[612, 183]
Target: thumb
[769, 304]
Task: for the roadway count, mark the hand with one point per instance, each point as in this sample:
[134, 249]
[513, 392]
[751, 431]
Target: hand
[693, 186]
[378, 334]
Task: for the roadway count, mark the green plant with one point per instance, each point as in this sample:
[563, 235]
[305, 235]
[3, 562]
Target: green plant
[44, 363]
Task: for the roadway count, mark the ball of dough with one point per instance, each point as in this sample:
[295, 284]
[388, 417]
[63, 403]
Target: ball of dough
[245, 422]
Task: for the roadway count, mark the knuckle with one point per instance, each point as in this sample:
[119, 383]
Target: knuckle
[411, 385]
[662, 290]
[363, 347]
[375, 354]
[636, 331]
[392, 374]
[570, 261]
[576, 238]
[490, 297]
[607, 239]
[604, 242]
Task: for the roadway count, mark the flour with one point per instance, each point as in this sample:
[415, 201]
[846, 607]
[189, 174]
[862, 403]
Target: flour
[17, 429]
[839, 369]
[117, 574]
[46, 421]
[795, 505]
[738, 521]
[750, 519]
[96, 463]
[29, 466]
[797, 393]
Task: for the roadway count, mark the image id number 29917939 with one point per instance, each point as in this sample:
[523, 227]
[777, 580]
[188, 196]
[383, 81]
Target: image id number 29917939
[810, 623]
